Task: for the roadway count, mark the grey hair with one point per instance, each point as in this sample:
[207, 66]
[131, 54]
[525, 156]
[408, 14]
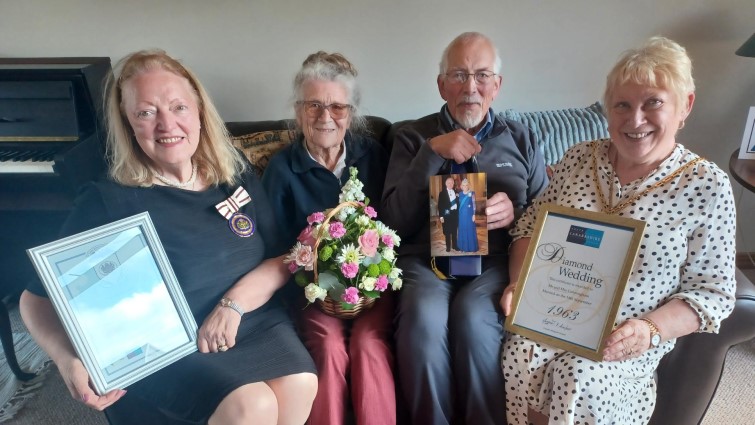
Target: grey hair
[465, 38]
[333, 67]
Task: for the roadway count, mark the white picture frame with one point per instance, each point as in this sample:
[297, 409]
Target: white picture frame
[747, 149]
[118, 300]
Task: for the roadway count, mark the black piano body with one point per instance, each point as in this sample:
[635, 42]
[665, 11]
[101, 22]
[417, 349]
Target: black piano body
[51, 130]
[51, 142]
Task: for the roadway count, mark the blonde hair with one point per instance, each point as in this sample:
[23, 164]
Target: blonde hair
[333, 67]
[216, 158]
[661, 63]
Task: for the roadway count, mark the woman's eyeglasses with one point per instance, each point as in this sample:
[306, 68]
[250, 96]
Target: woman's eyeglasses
[314, 109]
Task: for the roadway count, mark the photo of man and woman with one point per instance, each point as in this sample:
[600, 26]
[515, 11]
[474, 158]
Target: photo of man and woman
[457, 215]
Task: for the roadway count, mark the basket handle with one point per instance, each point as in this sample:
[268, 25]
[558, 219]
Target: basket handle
[323, 230]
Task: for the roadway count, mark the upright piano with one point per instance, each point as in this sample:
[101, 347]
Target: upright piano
[51, 142]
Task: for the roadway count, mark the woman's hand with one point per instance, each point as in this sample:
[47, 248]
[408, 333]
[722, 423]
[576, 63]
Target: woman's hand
[507, 297]
[629, 340]
[218, 332]
[76, 379]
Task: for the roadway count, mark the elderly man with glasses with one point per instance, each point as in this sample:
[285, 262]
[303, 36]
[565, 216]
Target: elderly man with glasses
[449, 331]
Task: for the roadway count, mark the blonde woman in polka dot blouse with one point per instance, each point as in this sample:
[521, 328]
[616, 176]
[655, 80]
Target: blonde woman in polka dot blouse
[683, 277]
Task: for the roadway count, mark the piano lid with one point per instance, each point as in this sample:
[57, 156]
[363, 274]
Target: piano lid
[51, 99]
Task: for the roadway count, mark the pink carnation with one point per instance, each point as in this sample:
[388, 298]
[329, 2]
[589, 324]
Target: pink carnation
[336, 230]
[350, 295]
[349, 269]
[317, 217]
[306, 237]
[382, 283]
[387, 240]
[304, 257]
[371, 213]
[292, 267]
[369, 242]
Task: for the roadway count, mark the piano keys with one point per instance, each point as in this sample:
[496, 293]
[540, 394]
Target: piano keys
[51, 129]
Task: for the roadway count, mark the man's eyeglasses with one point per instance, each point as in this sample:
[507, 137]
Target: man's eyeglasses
[315, 109]
[460, 77]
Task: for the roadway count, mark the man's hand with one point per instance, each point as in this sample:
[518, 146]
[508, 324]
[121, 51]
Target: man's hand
[500, 211]
[457, 145]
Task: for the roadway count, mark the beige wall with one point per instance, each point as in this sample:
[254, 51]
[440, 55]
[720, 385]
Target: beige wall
[555, 53]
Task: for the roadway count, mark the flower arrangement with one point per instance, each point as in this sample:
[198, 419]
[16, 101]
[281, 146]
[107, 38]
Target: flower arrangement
[345, 253]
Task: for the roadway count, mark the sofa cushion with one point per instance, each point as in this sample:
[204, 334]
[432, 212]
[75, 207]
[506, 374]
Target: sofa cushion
[558, 130]
[261, 146]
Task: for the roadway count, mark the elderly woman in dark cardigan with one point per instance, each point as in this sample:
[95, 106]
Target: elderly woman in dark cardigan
[306, 177]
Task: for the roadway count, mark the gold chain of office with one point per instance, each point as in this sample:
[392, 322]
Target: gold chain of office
[608, 207]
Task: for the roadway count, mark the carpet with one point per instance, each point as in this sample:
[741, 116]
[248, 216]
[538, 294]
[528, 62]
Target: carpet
[14, 393]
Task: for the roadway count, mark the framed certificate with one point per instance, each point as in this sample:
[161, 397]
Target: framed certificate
[573, 278]
[118, 300]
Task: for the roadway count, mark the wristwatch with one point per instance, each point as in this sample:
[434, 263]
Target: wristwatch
[655, 333]
[227, 302]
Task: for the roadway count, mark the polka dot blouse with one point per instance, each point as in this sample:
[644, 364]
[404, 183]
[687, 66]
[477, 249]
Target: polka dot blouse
[687, 252]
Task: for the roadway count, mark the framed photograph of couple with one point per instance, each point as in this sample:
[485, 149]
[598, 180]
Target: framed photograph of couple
[118, 299]
[458, 224]
[573, 278]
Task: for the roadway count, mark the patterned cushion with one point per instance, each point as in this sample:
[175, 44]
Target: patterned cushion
[557, 131]
[259, 147]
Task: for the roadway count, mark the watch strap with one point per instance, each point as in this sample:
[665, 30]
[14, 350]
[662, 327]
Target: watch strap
[653, 330]
[227, 302]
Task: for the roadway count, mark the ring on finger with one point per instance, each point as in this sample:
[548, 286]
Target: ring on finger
[222, 347]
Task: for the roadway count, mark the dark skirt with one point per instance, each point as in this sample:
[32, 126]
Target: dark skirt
[189, 390]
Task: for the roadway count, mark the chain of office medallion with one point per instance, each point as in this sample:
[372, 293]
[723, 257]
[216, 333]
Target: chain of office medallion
[608, 207]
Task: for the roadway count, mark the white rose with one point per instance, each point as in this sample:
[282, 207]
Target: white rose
[389, 254]
[368, 283]
[313, 292]
[397, 283]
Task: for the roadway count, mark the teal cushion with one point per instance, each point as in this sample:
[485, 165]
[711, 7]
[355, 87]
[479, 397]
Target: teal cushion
[557, 131]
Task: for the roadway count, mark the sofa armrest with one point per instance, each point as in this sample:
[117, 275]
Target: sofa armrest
[688, 376]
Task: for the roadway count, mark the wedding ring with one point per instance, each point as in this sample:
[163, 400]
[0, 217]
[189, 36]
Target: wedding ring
[222, 347]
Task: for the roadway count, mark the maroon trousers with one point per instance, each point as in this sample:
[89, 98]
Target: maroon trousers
[359, 349]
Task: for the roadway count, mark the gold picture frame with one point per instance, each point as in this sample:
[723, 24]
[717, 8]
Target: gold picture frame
[573, 278]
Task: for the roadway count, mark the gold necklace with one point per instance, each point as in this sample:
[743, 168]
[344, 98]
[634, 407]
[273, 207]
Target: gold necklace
[608, 207]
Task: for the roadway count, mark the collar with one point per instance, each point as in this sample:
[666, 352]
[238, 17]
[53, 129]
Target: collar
[340, 164]
[301, 161]
[481, 134]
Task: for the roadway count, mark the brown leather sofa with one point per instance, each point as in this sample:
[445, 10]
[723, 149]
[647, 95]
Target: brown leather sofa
[687, 377]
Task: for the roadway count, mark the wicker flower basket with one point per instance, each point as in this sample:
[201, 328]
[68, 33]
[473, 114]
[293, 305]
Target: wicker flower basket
[333, 308]
[330, 306]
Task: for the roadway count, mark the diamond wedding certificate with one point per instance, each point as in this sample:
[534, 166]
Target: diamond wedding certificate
[573, 278]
